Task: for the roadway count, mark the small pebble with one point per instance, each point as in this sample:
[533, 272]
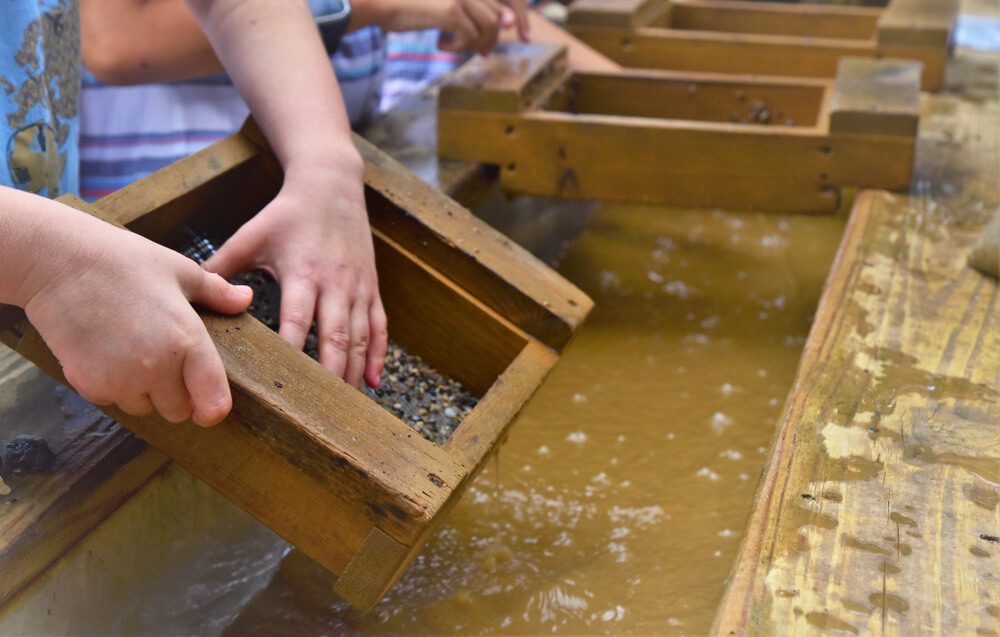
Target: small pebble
[27, 454]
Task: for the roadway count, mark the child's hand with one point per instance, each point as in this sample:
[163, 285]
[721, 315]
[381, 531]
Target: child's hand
[466, 25]
[315, 240]
[115, 309]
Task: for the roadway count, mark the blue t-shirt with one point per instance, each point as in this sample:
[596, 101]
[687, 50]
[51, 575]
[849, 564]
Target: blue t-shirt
[39, 94]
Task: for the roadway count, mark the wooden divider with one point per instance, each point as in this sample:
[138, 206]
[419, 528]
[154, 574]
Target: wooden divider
[792, 146]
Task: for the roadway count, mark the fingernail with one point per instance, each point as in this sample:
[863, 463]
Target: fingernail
[378, 381]
[245, 290]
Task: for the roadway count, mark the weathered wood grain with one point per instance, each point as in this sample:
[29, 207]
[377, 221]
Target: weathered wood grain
[879, 509]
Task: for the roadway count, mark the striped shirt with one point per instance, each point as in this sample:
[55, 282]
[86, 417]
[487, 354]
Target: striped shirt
[127, 132]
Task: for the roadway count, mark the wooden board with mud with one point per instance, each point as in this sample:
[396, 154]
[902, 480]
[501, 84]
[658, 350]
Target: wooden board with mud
[878, 510]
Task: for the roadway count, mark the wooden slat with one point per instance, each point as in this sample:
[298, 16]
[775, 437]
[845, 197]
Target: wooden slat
[509, 80]
[619, 13]
[683, 163]
[700, 97]
[878, 97]
[878, 510]
[678, 50]
[928, 23]
[773, 18]
[493, 269]
[775, 39]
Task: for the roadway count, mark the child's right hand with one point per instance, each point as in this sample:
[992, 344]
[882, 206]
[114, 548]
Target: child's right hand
[466, 25]
[115, 309]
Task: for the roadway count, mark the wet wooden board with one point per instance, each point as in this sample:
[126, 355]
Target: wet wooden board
[295, 429]
[45, 514]
[879, 510]
[797, 40]
[684, 139]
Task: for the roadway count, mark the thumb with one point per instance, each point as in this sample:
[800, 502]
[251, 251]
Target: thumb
[213, 292]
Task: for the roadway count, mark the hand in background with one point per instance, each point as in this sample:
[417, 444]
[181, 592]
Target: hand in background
[466, 25]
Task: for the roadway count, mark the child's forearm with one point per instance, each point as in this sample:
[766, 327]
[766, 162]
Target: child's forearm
[274, 55]
[136, 41]
[33, 230]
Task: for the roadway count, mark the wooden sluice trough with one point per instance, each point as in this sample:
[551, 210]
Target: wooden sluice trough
[877, 511]
[682, 139]
[762, 38]
[316, 460]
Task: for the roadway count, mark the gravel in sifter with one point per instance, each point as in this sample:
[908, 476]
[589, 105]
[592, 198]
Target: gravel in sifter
[413, 391]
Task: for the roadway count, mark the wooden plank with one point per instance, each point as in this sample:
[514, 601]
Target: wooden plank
[929, 23]
[878, 510]
[878, 97]
[684, 163]
[97, 467]
[509, 80]
[776, 39]
[699, 97]
[713, 52]
[619, 13]
[774, 18]
[492, 268]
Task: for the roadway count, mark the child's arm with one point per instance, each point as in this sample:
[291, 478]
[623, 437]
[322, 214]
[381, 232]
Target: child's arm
[139, 41]
[314, 237]
[115, 309]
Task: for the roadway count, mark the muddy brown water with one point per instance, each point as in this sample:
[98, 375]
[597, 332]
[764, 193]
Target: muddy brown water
[616, 506]
[618, 503]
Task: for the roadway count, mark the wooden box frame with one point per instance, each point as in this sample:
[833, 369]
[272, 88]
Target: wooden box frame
[765, 38]
[306, 454]
[668, 138]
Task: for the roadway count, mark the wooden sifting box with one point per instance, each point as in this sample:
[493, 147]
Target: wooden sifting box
[682, 139]
[316, 460]
[765, 38]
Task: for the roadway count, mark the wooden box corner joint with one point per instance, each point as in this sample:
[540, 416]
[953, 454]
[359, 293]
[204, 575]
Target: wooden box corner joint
[316, 460]
[682, 138]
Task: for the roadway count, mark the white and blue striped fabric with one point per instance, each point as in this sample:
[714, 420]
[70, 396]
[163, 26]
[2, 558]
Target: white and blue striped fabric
[127, 132]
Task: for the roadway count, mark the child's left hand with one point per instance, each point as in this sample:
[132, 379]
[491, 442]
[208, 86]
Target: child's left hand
[315, 240]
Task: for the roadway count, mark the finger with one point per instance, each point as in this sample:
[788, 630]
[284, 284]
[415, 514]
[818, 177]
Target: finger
[298, 303]
[464, 33]
[357, 353]
[137, 405]
[171, 399]
[487, 22]
[236, 255]
[334, 334]
[378, 330]
[215, 293]
[520, 9]
[205, 381]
